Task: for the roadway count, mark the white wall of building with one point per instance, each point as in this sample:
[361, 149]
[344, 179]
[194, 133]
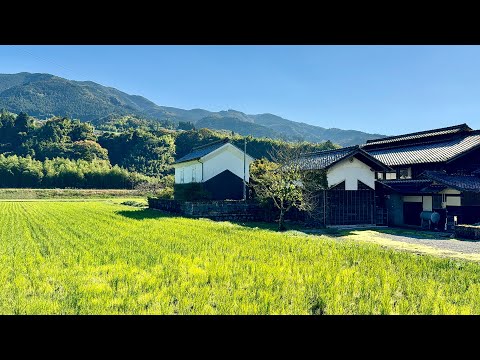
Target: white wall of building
[413, 198]
[351, 172]
[228, 157]
[446, 200]
[427, 203]
[189, 172]
[451, 200]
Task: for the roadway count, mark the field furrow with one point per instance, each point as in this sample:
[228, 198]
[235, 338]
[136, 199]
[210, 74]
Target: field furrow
[103, 258]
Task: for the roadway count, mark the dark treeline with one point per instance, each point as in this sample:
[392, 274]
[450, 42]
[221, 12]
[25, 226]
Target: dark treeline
[117, 153]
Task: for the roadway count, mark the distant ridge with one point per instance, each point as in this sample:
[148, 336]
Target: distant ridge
[45, 95]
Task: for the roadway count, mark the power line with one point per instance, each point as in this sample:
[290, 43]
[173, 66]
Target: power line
[48, 60]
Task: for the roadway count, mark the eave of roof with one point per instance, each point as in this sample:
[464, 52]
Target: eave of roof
[419, 135]
[470, 183]
[429, 152]
[202, 151]
[328, 158]
[409, 186]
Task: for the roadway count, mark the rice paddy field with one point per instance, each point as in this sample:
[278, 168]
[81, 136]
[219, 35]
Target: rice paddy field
[101, 257]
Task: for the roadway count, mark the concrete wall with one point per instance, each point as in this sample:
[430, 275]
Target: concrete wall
[351, 172]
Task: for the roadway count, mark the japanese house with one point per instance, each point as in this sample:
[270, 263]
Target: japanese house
[390, 181]
[436, 170]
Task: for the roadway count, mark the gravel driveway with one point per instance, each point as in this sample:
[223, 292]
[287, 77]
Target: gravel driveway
[439, 242]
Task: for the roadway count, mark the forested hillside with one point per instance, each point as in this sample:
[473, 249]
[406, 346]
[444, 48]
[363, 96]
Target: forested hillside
[46, 95]
[121, 153]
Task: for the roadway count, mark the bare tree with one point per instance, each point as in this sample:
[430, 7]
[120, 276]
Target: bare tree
[287, 182]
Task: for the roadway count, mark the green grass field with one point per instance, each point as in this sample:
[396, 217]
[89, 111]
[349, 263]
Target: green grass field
[105, 258]
[87, 194]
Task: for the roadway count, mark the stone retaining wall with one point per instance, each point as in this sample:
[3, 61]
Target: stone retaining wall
[467, 232]
[215, 210]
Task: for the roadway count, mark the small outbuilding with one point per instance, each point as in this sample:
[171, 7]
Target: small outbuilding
[219, 167]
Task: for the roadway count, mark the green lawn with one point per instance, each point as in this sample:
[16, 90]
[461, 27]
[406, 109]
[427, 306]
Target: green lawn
[105, 258]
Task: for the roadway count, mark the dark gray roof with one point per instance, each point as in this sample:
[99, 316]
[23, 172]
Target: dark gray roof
[201, 151]
[459, 182]
[428, 152]
[327, 158]
[420, 135]
[407, 186]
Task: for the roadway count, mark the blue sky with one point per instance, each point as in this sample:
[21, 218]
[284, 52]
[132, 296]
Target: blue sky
[382, 89]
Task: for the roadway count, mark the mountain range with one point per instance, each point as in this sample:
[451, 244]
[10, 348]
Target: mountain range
[45, 95]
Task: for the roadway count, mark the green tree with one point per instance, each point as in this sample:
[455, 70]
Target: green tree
[286, 184]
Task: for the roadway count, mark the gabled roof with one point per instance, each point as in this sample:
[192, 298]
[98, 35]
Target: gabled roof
[424, 135]
[204, 150]
[201, 151]
[327, 158]
[459, 182]
[431, 152]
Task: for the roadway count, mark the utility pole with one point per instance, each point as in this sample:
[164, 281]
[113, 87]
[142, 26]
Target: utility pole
[244, 169]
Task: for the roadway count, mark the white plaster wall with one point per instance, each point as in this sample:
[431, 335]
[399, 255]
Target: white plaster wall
[189, 169]
[228, 158]
[351, 172]
[450, 191]
[454, 201]
[427, 203]
[451, 200]
[412, 199]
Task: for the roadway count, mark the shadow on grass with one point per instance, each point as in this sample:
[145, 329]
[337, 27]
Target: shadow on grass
[145, 214]
[416, 234]
[298, 227]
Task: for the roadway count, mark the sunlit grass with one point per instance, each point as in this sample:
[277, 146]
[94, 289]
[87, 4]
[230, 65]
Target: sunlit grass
[106, 258]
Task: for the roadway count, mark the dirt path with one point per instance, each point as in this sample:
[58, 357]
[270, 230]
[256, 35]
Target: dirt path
[420, 242]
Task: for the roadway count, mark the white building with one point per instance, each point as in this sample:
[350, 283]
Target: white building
[351, 176]
[220, 166]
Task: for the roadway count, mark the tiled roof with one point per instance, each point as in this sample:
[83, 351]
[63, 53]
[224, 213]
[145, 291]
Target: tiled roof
[201, 151]
[326, 158]
[427, 152]
[459, 182]
[476, 172]
[407, 186]
[420, 135]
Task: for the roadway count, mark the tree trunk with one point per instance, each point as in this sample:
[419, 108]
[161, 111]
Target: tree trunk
[281, 223]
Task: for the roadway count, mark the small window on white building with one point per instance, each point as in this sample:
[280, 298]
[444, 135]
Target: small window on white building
[405, 173]
[379, 175]
[182, 176]
[193, 175]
